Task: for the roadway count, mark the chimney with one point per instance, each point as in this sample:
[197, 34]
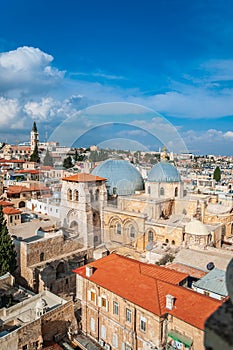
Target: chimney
[169, 301]
[89, 270]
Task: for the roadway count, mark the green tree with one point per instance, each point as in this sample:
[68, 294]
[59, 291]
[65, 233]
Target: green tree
[217, 174]
[8, 254]
[67, 163]
[48, 159]
[35, 155]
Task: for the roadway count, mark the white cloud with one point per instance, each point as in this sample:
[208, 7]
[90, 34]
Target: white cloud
[27, 69]
[229, 135]
[9, 109]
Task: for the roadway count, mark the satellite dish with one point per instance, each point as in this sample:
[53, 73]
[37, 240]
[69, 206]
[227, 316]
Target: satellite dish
[210, 266]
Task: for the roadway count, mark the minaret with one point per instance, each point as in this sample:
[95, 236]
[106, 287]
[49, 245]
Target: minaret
[34, 137]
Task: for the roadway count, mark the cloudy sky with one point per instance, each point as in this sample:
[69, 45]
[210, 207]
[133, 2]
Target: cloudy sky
[172, 56]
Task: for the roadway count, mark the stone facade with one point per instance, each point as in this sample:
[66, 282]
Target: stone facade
[47, 262]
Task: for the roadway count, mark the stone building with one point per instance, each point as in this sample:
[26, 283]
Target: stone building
[46, 260]
[127, 304]
[83, 197]
[32, 320]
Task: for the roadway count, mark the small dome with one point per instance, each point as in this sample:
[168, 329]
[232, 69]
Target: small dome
[41, 303]
[164, 172]
[122, 177]
[196, 227]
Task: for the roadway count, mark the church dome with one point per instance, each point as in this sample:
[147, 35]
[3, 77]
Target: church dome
[196, 227]
[122, 177]
[164, 172]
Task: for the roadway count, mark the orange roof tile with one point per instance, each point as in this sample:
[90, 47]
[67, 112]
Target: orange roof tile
[17, 189]
[83, 177]
[27, 171]
[147, 286]
[9, 211]
[6, 204]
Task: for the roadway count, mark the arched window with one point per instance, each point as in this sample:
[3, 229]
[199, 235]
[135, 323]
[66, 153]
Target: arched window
[118, 228]
[69, 195]
[173, 242]
[76, 195]
[132, 231]
[176, 191]
[148, 189]
[161, 191]
[166, 240]
[97, 192]
[150, 236]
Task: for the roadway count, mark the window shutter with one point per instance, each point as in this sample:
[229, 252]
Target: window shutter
[107, 305]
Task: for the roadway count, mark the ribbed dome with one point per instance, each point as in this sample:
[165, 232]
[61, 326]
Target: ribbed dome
[164, 172]
[196, 227]
[121, 176]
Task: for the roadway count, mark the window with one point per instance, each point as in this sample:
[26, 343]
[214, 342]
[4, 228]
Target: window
[128, 315]
[150, 236]
[25, 347]
[91, 196]
[11, 219]
[97, 195]
[36, 344]
[142, 324]
[76, 196]
[69, 195]
[92, 326]
[42, 256]
[93, 296]
[115, 340]
[206, 293]
[104, 302]
[148, 189]
[176, 191]
[132, 231]
[161, 191]
[118, 229]
[103, 332]
[115, 308]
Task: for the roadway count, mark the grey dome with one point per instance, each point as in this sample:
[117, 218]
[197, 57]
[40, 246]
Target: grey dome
[122, 177]
[164, 172]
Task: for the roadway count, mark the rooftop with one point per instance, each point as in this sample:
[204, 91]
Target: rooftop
[147, 286]
[83, 177]
[214, 281]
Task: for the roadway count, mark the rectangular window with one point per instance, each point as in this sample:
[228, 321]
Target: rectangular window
[92, 324]
[142, 324]
[93, 296]
[115, 308]
[104, 302]
[103, 332]
[115, 340]
[128, 315]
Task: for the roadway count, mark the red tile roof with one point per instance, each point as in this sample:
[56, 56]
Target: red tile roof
[191, 271]
[83, 177]
[17, 189]
[10, 211]
[147, 286]
[27, 171]
[6, 204]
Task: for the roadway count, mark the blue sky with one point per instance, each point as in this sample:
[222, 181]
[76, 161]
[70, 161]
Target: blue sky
[176, 57]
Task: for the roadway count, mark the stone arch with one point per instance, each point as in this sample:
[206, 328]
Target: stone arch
[72, 215]
[22, 204]
[130, 228]
[74, 224]
[115, 225]
[60, 270]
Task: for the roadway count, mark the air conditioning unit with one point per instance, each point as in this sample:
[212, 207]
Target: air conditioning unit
[101, 342]
[107, 347]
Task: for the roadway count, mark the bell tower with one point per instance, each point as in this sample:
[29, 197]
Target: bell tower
[34, 137]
